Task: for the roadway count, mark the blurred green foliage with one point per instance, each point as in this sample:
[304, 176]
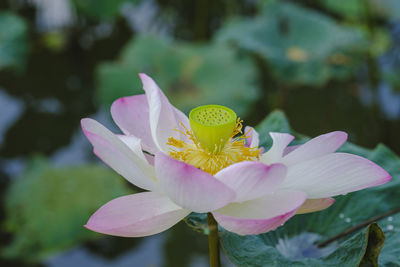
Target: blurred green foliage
[190, 75]
[47, 207]
[13, 41]
[302, 46]
[350, 9]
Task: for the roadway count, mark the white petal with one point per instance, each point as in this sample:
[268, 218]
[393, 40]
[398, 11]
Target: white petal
[133, 143]
[131, 114]
[119, 156]
[164, 118]
[260, 215]
[190, 187]
[275, 153]
[334, 174]
[316, 204]
[253, 139]
[316, 147]
[136, 215]
[265, 207]
[250, 179]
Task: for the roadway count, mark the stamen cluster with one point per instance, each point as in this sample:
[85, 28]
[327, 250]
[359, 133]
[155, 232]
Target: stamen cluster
[233, 151]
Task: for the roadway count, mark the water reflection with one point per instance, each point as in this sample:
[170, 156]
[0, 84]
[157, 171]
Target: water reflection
[386, 92]
[149, 252]
[10, 109]
[303, 246]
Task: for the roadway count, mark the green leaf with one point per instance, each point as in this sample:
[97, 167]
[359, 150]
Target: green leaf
[351, 9]
[13, 41]
[198, 222]
[358, 247]
[358, 10]
[47, 207]
[376, 239]
[190, 75]
[302, 46]
[259, 251]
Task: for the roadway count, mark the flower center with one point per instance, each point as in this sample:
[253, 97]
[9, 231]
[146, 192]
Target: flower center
[214, 141]
[212, 125]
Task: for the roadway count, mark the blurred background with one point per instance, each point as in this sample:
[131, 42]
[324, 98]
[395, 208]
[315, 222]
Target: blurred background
[329, 65]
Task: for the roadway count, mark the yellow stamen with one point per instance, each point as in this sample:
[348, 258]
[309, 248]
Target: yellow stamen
[231, 151]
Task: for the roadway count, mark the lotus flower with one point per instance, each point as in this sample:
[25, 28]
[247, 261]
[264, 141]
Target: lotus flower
[205, 165]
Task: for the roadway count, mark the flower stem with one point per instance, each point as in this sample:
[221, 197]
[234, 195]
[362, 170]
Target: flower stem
[213, 241]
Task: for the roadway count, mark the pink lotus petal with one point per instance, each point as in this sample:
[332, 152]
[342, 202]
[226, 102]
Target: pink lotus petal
[260, 215]
[164, 118]
[131, 114]
[135, 144]
[189, 187]
[127, 161]
[275, 153]
[252, 226]
[251, 179]
[316, 147]
[253, 140]
[289, 149]
[334, 174]
[150, 159]
[136, 215]
[317, 204]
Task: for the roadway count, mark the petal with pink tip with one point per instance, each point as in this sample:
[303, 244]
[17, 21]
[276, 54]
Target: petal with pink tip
[317, 204]
[275, 153]
[250, 179]
[131, 114]
[127, 161]
[253, 139]
[136, 215]
[164, 118]
[334, 174]
[190, 187]
[260, 215]
[316, 147]
[135, 144]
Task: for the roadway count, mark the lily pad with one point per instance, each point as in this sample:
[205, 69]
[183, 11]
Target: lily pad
[358, 248]
[13, 41]
[190, 75]
[301, 46]
[351, 9]
[47, 207]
